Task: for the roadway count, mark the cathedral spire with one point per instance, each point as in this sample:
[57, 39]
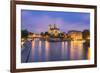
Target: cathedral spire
[49, 26]
[54, 25]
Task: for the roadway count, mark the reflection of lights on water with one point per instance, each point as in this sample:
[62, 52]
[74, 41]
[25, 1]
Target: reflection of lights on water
[76, 50]
[63, 51]
[33, 44]
[88, 53]
[62, 44]
[73, 50]
[47, 49]
[66, 44]
[40, 45]
[46, 44]
[40, 49]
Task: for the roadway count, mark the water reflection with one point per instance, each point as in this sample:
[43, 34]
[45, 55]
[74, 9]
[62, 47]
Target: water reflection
[76, 50]
[47, 50]
[42, 51]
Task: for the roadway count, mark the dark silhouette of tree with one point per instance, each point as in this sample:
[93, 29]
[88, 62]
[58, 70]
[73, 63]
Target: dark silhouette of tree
[46, 33]
[24, 33]
[86, 34]
[42, 34]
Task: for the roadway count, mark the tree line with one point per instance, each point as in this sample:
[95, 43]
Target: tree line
[25, 33]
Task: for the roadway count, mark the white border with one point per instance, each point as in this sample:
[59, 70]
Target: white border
[20, 65]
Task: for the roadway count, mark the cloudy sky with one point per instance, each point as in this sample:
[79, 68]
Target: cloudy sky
[38, 21]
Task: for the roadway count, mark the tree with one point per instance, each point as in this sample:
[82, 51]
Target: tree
[42, 34]
[86, 34]
[46, 33]
[24, 33]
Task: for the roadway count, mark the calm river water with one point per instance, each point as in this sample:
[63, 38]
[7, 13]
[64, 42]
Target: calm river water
[43, 51]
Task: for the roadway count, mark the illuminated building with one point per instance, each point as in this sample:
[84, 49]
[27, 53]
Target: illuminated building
[75, 35]
[53, 30]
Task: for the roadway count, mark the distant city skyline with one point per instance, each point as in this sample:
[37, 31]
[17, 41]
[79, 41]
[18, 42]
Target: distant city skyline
[38, 21]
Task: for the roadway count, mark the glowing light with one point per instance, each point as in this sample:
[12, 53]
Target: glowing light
[76, 50]
[47, 49]
[89, 53]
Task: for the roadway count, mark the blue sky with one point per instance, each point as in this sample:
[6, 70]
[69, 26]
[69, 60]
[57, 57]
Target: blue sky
[38, 21]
